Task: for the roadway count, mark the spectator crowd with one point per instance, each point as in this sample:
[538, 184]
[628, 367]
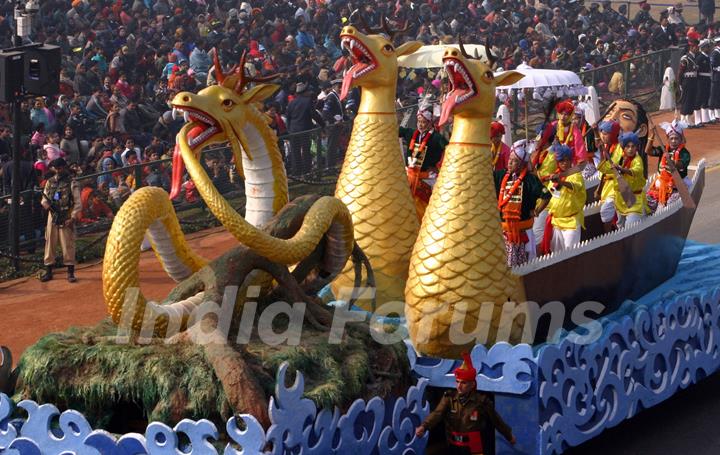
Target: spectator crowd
[123, 62]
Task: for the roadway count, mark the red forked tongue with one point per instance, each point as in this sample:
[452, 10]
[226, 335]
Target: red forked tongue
[346, 83]
[178, 164]
[178, 169]
[447, 108]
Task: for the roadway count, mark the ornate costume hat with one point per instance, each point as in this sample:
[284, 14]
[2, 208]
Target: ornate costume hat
[674, 128]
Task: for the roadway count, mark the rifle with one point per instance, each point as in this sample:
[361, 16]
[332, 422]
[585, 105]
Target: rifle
[59, 218]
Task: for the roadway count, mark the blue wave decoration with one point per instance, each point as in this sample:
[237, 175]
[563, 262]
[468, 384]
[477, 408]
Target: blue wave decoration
[502, 369]
[297, 426]
[639, 361]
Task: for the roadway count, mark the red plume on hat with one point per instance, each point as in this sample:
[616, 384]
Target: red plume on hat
[692, 35]
[496, 129]
[565, 107]
[466, 371]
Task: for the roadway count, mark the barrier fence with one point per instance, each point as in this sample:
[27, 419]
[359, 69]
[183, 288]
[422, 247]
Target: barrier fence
[312, 157]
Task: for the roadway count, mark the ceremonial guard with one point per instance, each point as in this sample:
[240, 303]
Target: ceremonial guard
[521, 197]
[714, 103]
[425, 151]
[61, 197]
[499, 150]
[626, 164]
[663, 189]
[688, 77]
[468, 415]
[565, 212]
[704, 83]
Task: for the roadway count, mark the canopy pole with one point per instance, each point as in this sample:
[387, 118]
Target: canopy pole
[525, 101]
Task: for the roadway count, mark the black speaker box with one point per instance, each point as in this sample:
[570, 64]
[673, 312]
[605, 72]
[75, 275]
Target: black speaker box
[42, 70]
[11, 75]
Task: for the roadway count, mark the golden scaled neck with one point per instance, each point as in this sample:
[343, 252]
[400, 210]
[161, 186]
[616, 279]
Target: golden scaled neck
[471, 130]
[379, 99]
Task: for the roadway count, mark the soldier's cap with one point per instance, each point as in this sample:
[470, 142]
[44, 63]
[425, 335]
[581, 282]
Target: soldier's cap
[58, 162]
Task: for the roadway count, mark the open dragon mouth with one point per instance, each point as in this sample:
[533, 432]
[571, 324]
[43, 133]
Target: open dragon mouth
[462, 87]
[202, 128]
[205, 126]
[362, 59]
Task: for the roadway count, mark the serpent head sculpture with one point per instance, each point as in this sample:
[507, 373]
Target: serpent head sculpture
[372, 181]
[227, 112]
[458, 279]
[222, 113]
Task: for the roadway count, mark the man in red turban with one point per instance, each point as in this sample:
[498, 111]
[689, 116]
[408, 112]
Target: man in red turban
[568, 134]
[500, 152]
[467, 414]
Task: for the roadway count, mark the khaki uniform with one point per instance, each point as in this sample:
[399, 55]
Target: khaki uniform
[65, 196]
[465, 420]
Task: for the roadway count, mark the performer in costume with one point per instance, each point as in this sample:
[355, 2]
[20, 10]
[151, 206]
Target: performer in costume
[662, 190]
[544, 166]
[521, 197]
[626, 162]
[568, 134]
[608, 150]
[468, 414]
[687, 75]
[587, 132]
[632, 117]
[500, 151]
[714, 103]
[703, 83]
[424, 154]
[566, 217]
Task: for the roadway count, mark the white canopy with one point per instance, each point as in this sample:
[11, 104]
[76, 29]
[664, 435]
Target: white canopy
[544, 84]
[430, 56]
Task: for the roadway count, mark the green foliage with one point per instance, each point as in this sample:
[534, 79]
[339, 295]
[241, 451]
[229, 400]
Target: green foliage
[86, 370]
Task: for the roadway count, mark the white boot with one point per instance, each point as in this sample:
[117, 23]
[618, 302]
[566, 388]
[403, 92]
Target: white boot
[705, 115]
[698, 117]
[717, 113]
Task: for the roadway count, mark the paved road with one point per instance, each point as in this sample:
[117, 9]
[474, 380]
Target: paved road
[687, 422]
[706, 225]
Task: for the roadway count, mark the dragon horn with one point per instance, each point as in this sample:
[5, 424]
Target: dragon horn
[390, 32]
[488, 52]
[219, 76]
[360, 17]
[241, 74]
[462, 48]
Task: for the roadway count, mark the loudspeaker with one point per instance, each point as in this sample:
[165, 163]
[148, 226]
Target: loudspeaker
[42, 70]
[11, 75]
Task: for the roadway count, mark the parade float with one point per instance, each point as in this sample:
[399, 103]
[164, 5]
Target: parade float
[171, 362]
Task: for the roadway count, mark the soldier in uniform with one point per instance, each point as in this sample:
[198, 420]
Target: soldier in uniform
[687, 75]
[467, 414]
[714, 103]
[61, 197]
[703, 84]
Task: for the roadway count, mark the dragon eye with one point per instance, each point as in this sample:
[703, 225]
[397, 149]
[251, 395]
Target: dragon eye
[489, 75]
[228, 103]
[388, 47]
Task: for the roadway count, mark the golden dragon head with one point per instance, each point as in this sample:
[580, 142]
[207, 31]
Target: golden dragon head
[472, 84]
[373, 56]
[217, 113]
